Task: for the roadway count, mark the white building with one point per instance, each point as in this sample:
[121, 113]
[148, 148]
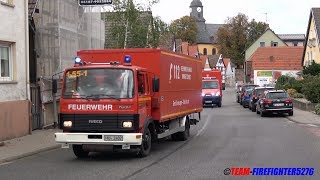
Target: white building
[14, 69]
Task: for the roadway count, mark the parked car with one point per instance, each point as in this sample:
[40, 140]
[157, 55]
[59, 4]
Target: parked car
[256, 94]
[244, 88]
[246, 98]
[275, 101]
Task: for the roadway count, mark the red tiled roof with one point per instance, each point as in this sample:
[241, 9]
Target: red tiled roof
[277, 58]
[203, 60]
[226, 62]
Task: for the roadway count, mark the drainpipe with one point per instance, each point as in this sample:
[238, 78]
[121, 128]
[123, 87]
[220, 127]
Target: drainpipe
[26, 24]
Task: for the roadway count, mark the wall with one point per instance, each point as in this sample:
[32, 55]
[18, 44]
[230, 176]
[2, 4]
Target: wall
[312, 46]
[268, 78]
[15, 91]
[267, 37]
[14, 119]
[290, 43]
[209, 48]
[304, 105]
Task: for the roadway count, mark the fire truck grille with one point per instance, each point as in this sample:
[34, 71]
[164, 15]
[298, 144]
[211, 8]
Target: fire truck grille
[99, 123]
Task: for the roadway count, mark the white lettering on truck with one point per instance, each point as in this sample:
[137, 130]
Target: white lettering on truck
[180, 72]
[90, 107]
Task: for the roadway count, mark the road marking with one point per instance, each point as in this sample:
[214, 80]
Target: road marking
[6, 163]
[203, 127]
[312, 125]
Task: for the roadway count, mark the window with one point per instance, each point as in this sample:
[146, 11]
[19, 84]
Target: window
[214, 51]
[205, 51]
[295, 43]
[141, 89]
[274, 44]
[262, 44]
[5, 63]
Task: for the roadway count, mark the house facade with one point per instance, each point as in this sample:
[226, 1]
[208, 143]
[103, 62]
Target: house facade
[312, 44]
[207, 33]
[14, 72]
[293, 39]
[268, 63]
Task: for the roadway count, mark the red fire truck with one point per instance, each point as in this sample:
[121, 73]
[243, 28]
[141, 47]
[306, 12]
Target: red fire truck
[212, 87]
[128, 98]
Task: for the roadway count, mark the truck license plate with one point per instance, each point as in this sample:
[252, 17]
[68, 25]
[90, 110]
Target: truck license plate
[208, 101]
[113, 138]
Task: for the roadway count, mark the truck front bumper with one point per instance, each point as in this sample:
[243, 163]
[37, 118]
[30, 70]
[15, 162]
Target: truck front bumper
[98, 138]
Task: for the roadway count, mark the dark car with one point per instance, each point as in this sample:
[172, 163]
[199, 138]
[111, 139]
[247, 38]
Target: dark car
[275, 101]
[246, 98]
[244, 89]
[255, 95]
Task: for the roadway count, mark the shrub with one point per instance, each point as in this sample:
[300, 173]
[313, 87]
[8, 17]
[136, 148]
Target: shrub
[298, 95]
[288, 82]
[292, 92]
[313, 69]
[317, 109]
[311, 89]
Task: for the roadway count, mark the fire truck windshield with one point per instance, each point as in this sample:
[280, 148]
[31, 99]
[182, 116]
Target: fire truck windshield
[102, 83]
[210, 85]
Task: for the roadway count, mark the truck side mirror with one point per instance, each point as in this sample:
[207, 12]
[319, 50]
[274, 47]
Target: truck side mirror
[155, 84]
[223, 86]
[54, 86]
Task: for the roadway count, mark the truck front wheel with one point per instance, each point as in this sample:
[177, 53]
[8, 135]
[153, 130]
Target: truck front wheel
[145, 147]
[79, 152]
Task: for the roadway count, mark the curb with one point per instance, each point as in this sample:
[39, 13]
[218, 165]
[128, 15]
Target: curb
[295, 121]
[20, 156]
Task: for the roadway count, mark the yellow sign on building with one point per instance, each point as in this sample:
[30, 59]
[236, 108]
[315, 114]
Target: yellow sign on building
[264, 73]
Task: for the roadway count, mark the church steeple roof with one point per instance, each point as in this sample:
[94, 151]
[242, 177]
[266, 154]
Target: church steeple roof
[196, 3]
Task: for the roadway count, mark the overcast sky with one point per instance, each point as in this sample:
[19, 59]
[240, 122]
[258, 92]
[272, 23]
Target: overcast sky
[284, 16]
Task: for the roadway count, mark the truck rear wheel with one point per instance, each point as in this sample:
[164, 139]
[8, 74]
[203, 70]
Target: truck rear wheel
[145, 147]
[219, 104]
[184, 135]
[79, 152]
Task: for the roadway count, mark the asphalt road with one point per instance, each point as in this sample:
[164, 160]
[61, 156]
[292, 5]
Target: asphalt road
[230, 136]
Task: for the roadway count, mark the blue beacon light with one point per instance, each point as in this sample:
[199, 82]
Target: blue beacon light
[77, 60]
[127, 60]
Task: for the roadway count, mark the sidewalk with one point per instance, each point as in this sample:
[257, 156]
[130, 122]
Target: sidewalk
[304, 117]
[38, 141]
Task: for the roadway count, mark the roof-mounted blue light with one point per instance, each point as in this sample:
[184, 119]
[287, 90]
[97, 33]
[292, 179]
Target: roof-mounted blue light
[127, 60]
[77, 60]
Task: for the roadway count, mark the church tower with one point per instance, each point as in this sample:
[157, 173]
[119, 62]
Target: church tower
[196, 11]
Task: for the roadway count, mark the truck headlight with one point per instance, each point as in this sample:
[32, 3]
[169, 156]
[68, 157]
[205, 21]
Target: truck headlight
[67, 124]
[127, 124]
[202, 94]
[218, 93]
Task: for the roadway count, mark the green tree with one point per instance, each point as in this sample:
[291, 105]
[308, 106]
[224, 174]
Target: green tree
[185, 28]
[255, 30]
[313, 69]
[236, 34]
[133, 26]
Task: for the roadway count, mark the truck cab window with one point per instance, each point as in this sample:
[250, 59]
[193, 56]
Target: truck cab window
[141, 85]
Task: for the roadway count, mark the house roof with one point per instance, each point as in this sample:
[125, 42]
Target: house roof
[314, 12]
[226, 62]
[277, 58]
[196, 3]
[291, 36]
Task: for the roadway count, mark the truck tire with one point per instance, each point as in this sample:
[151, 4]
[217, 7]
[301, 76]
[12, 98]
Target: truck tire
[79, 152]
[184, 135]
[145, 148]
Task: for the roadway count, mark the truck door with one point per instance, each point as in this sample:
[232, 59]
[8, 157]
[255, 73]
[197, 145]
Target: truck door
[144, 98]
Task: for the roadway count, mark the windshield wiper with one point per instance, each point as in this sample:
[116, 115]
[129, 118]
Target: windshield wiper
[98, 96]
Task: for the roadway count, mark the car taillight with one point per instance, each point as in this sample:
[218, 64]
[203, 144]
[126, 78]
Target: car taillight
[288, 100]
[267, 101]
